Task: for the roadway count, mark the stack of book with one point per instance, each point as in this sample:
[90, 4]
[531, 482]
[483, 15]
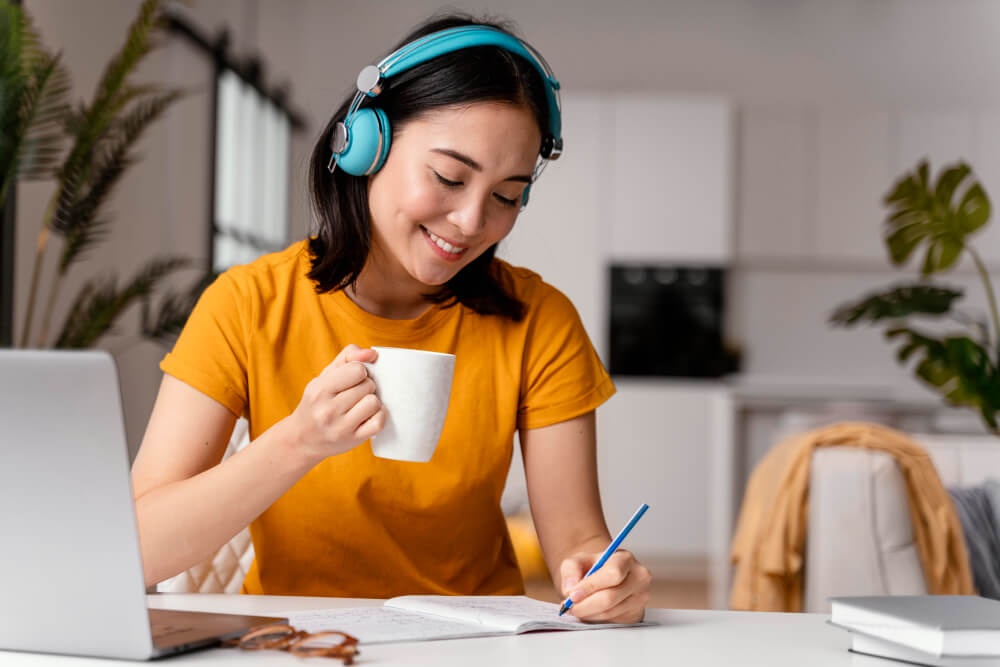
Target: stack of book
[937, 630]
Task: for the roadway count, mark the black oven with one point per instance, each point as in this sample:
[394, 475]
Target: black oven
[667, 320]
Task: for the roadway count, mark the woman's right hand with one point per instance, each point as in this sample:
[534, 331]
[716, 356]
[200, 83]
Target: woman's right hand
[339, 409]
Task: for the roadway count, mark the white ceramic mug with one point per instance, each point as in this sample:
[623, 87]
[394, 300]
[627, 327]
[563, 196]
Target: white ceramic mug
[415, 388]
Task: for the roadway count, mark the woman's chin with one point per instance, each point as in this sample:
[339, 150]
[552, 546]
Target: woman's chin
[435, 279]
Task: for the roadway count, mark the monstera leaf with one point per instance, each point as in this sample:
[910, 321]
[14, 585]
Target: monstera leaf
[942, 217]
[924, 213]
[959, 368]
[898, 302]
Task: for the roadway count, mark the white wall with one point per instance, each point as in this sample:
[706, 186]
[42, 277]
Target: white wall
[783, 58]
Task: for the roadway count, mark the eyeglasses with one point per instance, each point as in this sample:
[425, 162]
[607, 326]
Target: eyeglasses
[283, 637]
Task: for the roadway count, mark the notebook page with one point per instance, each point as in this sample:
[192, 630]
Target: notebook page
[508, 613]
[378, 625]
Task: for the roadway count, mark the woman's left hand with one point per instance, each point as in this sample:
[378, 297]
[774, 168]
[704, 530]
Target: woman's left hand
[616, 593]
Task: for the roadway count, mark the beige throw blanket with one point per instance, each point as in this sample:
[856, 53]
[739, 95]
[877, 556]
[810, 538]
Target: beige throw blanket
[769, 542]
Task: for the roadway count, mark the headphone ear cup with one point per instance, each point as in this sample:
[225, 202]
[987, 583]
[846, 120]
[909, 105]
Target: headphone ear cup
[368, 139]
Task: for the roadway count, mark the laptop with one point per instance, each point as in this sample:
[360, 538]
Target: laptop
[71, 578]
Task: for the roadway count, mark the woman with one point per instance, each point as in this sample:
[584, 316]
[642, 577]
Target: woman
[403, 256]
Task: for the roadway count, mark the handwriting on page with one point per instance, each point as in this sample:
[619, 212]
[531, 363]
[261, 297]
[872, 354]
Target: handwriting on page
[501, 611]
[375, 625]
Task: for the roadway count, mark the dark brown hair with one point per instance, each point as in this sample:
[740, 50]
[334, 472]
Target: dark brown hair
[342, 243]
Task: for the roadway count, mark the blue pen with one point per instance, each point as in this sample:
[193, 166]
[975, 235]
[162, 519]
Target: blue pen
[615, 543]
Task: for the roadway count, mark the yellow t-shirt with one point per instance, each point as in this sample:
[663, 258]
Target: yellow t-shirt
[361, 526]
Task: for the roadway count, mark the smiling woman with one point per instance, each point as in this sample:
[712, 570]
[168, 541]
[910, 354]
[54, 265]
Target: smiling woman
[415, 180]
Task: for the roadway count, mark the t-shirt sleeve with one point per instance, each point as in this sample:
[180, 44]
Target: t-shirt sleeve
[563, 377]
[211, 352]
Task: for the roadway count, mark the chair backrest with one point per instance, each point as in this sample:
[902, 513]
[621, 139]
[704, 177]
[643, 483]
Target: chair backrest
[860, 535]
[223, 572]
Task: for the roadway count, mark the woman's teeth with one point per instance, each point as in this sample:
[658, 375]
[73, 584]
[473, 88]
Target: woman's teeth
[444, 245]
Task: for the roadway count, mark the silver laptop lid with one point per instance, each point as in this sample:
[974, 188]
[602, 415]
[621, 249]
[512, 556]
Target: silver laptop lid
[70, 570]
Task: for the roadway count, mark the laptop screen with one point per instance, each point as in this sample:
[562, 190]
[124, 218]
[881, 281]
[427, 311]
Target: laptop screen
[71, 576]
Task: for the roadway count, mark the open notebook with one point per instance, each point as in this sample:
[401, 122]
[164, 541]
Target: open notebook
[426, 617]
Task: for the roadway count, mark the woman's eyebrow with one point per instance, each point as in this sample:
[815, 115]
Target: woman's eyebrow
[472, 164]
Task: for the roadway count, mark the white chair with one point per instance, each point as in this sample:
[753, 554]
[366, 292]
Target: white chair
[224, 572]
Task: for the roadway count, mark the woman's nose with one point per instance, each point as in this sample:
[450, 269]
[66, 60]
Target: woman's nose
[470, 216]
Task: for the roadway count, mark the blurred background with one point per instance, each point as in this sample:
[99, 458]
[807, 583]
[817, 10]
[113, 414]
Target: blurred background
[719, 196]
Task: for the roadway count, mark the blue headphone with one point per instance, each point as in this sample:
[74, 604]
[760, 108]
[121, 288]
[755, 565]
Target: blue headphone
[360, 143]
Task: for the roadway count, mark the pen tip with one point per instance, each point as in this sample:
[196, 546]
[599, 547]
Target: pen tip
[563, 609]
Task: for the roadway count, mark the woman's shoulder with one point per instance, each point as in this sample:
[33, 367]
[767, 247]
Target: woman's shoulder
[529, 286]
[271, 272]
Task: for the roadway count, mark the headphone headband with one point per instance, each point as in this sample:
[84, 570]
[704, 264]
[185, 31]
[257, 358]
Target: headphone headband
[428, 47]
[445, 41]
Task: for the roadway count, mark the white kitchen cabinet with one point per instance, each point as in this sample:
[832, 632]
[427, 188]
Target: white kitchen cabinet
[985, 163]
[853, 175]
[862, 153]
[776, 175]
[812, 181]
[670, 179]
[941, 136]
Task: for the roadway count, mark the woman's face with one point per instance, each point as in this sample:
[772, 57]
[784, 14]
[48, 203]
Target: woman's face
[450, 188]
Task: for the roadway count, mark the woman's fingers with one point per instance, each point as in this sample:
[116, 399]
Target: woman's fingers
[339, 408]
[618, 592]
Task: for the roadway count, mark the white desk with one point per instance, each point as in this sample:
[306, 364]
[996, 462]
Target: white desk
[749, 639]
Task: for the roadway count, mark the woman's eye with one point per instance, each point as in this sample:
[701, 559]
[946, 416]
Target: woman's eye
[505, 201]
[446, 182]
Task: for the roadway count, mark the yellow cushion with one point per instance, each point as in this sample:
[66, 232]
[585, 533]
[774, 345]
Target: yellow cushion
[526, 547]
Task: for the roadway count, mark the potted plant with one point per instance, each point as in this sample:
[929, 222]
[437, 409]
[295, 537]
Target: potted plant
[959, 359]
[84, 150]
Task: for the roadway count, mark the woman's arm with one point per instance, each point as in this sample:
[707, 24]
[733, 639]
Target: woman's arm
[560, 463]
[188, 504]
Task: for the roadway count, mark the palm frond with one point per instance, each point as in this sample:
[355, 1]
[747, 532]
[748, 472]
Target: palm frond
[115, 156]
[81, 239]
[32, 99]
[152, 272]
[14, 78]
[100, 302]
[113, 93]
[43, 107]
[138, 44]
[90, 313]
[172, 312]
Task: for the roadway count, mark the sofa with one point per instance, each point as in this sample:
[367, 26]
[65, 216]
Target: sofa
[859, 538]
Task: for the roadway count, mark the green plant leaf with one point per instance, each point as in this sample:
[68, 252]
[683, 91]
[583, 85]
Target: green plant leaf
[91, 123]
[905, 237]
[897, 302]
[957, 367]
[948, 182]
[921, 213]
[100, 302]
[110, 162]
[172, 312]
[941, 255]
[34, 86]
[974, 209]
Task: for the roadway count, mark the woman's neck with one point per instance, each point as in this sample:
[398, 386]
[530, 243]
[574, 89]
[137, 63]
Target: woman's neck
[384, 295]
